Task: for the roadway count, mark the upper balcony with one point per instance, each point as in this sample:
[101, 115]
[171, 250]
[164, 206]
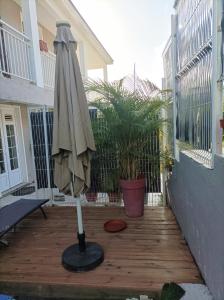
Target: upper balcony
[15, 54]
[29, 55]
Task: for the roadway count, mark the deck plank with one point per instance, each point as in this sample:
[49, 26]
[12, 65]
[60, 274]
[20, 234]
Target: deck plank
[150, 252]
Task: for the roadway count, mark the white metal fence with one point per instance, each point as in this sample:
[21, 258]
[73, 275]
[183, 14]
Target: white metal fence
[167, 66]
[15, 53]
[167, 87]
[192, 43]
[48, 67]
[194, 29]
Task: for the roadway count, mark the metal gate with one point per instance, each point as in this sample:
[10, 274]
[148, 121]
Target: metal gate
[41, 123]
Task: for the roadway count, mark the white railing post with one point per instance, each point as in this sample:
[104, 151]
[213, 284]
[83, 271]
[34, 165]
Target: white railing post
[174, 81]
[217, 83]
[105, 73]
[82, 60]
[32, 150]
[31, 30]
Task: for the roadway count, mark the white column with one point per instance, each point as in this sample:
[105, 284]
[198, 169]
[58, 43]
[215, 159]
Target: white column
[174, 81]
[217, 84]
[29, 12]
[105, 73]
[82, 60]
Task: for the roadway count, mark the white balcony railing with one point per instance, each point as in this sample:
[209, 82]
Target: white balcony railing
[15, 53]
[48, 67]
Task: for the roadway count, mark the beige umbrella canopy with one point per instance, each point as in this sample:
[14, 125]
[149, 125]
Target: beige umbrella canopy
[72, 133]
[73, 144]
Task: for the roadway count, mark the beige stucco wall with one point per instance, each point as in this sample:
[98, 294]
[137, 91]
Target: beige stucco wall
[10, 12]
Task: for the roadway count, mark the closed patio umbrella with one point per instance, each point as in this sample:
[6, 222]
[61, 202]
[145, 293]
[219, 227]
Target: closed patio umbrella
[73, 143]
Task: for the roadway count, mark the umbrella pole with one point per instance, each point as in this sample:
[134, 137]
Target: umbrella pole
[83, 256]
[79, 216]
[81, 233]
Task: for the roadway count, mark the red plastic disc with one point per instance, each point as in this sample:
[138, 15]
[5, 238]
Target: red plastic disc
[115, 225]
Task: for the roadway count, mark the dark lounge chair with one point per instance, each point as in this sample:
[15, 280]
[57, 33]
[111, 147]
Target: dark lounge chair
[12, 214]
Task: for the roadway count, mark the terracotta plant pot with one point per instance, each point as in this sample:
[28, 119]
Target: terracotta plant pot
[221, 123]
[43, 46]
[133, 196]
[91, 197]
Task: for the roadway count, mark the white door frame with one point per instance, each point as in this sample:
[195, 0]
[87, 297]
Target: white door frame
[15, 176]
[20, 172]
[4, 178]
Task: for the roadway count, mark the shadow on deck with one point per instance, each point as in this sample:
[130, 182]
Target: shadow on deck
[139, 260]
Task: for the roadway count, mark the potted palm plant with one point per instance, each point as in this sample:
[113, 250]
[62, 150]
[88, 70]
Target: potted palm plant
[129, 117]
[221, 121]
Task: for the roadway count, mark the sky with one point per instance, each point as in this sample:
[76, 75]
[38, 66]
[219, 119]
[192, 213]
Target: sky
[133, 32]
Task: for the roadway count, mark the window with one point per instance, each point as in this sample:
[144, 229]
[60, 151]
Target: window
[10, 132]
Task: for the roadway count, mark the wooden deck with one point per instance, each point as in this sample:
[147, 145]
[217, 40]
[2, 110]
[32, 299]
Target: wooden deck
[139, 260]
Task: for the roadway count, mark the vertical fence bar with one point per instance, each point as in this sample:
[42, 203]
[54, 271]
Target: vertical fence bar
[174, 81]
[46, 151]
[3, 68]
[32, 150]
[164, 144]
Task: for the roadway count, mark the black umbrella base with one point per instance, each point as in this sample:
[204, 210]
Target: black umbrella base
[76, 261]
